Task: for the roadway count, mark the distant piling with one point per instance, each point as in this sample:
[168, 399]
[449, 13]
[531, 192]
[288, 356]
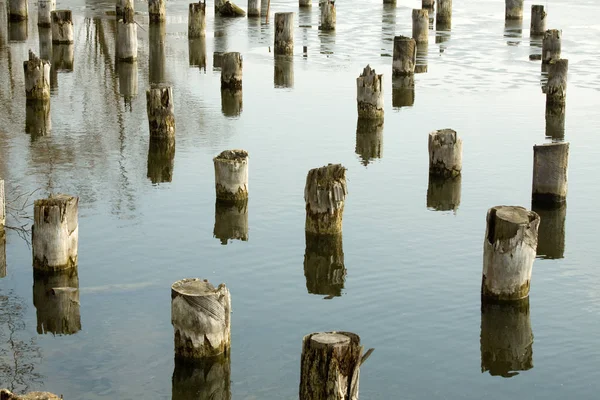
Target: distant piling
[551, 46]
[513, 9]
[445, 153]
[231, 175]
[157, 11]
[556, 89]
[443, 14]
[369, 94]
[254, 8]
[62, 27]
[538, 20]
[55, 233]
[161, 112]
[200, 315]
[325, 194]
[197, 20]
[37, 78]
[45, 8]
[56, 300]
[231, 71]
[508, 253]
[550, 165]
[127, 42]
[420, 26]
[328, 16]
[284, 33]
[18, 10]
[405, 56]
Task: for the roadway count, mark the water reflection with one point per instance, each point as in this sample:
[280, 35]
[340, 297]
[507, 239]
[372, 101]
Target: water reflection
[369, 140]
[422, 50]
[217, 60]
[444, 194]
[327, 39]
[156, 38]
[283, 75]
[2, 252]
[506, 338]
[208, 379]
[388, 28]
[45, 43]
[62, 57]
[231, 221]
[56, 299]
[128, 80]
[555, 123]
[535, 44]
[403, 91]
[442, 35]
[197, 53]
[37, 118]
[231, 102]
[551, 232]
[161, 156]
[513, 30]
[17, 31]
[221, 27]
[324, 265]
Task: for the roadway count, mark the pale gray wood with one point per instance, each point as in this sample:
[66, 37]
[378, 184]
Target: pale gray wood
[551, 45]
[538, 20]
[325, 193]
[62, 27]
[231, 175]
[45, 8]
[404, 57]
[550, 165]
[284, 33]
[420, 25]
[369, 94]
[556, 88]
[127, 41]
[445, 153]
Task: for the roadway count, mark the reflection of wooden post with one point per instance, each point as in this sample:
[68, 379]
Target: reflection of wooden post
[538, 20]
[56, 299]
[197, 53]
[369, 94]
[403, 91]
[231, 71]
[157, 10]
[513, 9]
[231, 221]
[232, 102]
[420, 25]
[206, 379]
[324, 194]
[128, 79]
[443, 15]
[550, 164]
[283, 72]
[443, 194]
[327, 16]
[62, 27]
[445, 153]
[17, 31]
[551, 233]
[284, 33]
[231, 175]
[161, 156]
[305, 3]
[37, 118]
[55, 233]
[506, 338]
[200, 315]
[18, 10]
[551, 45]
[156, 53]
[161, 111]
[405, 56]
[37, 78]
[127, 43]
[330, 366]
[428, 4]
[45, 8]
[556, 89]
[197, 20]
[253, 8]
[555, 122]
[324, 264]
[62, 57]
[508, 252]
[369, 139]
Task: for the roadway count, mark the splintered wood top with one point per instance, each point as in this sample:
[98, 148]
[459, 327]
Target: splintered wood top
[194, 287]
[515, 215]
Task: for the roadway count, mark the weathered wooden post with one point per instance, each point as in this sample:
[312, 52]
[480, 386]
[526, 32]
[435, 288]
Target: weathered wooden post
[284, 33]
[62, 27]
[5, 394]
[2, 204]
[283, 72]
[330, 366]
[156, 53]
[161, 112]
[403, 91]
[369, 94]
[253, 8]
[231, 221]
[18, 10]
[127, 43]
[232, 102]
[506, 338]
[56, 299]
[513, 9]
[55, 233]
[328, 16]
[551, 233]
[231, 175]
[37, 78]
[551, 46]
[161, 157]
[420, 26]
[508, 253]
[550, 165]
[443, 15]
[2, 252]
[325, 193]
[324, 265]
[231, 71]
[405, 56]
[538, 20]
[128, 79]
[443, 194]
[428, 4]
[197, 20]
[37, 118]
[228, 9]
[120, 7]
[45, 8]
[205, 379]
[197, 53]
[157, 11]
[445, 153]
[369, 139]
[305, 3]
[556, 89]
[200, 315]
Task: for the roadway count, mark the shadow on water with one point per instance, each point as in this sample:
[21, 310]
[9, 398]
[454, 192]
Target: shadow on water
[283, 72]
[369, 140]
[443, 194]
[324, 265]
[513, 31]
[506, 338]
[207, 379]
[551, 232]
[231, 221]
[161, 157]
[56, 299]
[403, 91]
[37, 118]
[156, 53]
[197, 53]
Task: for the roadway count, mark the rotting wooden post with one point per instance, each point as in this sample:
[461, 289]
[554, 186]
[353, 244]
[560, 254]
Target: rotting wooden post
[551, 233]
[550, 165]
[403, 91]
[62, 27]
[506, 338]
[37, 118]
[405, 56]
[369, 139]
[330, 366]
[5, 394]
[551, 46]
[231, 221]
[157, 11]
[18, 10]
[197, 53]
[445, 153]
[127, 42]
[161, 111]
[156, 53]
[197, 20]
[369, 94]
[37, 78]
[283, 72]
[428, 4]
[231, 175]
[161, 156]
[509, 250]
[205, 379]
[56, 299]
[55, 233]
[328, 16]
[324, 265]
[443, 15]
[325, 193]
[513, 9]
[231, 71]
[538, 20]
[556, 89]
[443, 194]
[304, 3]
[45, 8]
[2, 204]
[200, 315]
[253, 8]
[420, 26]
[121, 5]
[284, 33]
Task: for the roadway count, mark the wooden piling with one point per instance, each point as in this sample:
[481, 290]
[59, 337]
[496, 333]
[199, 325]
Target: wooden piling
[157, 11]
[443, 194]
[56, 300]
[420, 26]
[231, 221]
[120, 7]
[443, 15]
[231, 71]
[37, 118]
[538, 20]
[405, 56]
[2, 204]
[161, 111]
[62, 27]
[445, 153]
[231, 175]
[550, 165]
[45, 8]
[369, 94]
[284, 33]
[304, 3]
[325, 193]
[328, 16]
[197, 20]
[513, 9]
[161, 159]
[18, 10]
[551, 46]
[200, 315]
[156, 53]
[324, 265]
[369, 140]
[253, 8]
[509, 250]
[37, 78]
[428, 4]
[127, 42]
[330, 366]
[205, 379]
[228, 9]
[556, 89]
[55, 233]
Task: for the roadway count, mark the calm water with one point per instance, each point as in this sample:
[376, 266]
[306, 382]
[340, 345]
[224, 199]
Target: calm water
[413, 273]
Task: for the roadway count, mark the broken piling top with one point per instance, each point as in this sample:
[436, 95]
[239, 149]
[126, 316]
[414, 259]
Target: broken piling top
[445, 153]
[231, 71]
[200, 315]
[231, 175]
[324, 194]
[550, 165]
[229, 9]
[37, 78]
[161, 111]
[5, 394]
[369, 94]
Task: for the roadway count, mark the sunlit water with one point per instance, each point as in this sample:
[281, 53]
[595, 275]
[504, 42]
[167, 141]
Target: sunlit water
[413, 273]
